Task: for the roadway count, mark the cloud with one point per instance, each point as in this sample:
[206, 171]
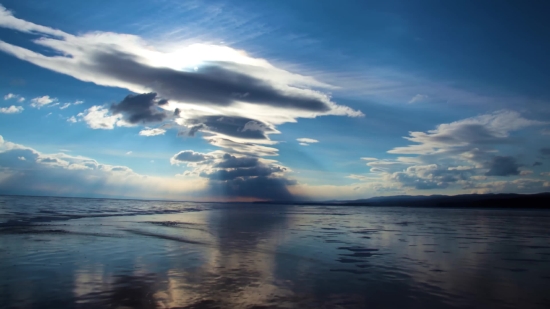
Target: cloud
[433, 176]
[545, 174]
[239, 129]
[237, 175]
[188, 156]
[72, 119]
[502, 166]
[418, 98]
[304, 141]
[152, 132]
[223, 77]
[11, 110]
[129, 152]
[243, 147]
[234, 100]
[369, 159]
[462, 155]
[67, 175]
[98, 117]
[537, 163]
[467, 134]
[522, 185]
[64, 106]
[42, 101]
[141, 108]
[545, 151]
[10, 96]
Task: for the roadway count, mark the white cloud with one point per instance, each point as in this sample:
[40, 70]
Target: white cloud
[129, 153]
[463, 156]
[83, 56]
[152, 132]
[72, 119]
[11, 110]
[78, 102]
[42, 101]
[306, 140]
[466, 135]
[10, 96]
[369, 159]
[418, 98]
[64, 106]
[62, 174]
[98, 117]
[545, 174]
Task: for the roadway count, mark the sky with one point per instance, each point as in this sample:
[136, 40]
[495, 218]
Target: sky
[273, 100]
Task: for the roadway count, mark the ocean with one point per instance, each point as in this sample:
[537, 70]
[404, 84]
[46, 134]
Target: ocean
[106, 253]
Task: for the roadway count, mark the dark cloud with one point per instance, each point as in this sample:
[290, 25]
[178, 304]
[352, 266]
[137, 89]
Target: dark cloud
[141, 108]
[237, 162]
[545, 151]
[48, 160]
[213, 83]
[190, 156]
[240, 127]
[475, 134]
[239, 176]
[408, 180]
[255, 171]
[268, 188]
[425, 177]
[537, 163]
[503, 166]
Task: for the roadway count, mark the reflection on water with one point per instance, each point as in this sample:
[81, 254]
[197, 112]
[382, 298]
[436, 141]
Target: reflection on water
[80, 253]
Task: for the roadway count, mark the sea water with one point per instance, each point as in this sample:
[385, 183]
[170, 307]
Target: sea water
[102, 253]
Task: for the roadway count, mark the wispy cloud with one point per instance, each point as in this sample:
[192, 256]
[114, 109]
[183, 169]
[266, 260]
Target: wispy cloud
[418, 98]
[39, 102]
[152, 132]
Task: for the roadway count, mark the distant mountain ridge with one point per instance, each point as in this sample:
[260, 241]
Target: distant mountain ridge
[502, 200]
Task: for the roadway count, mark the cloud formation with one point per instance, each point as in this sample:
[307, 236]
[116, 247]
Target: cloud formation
[17, 97]
[98, 117]
[462, 155]
[502, 166]
[140, 108]
[206, 75]
[304, 141]
[11, 110]
[418, 98]
[43, 101]
[238, 175]
[24, 170]
[152, 132]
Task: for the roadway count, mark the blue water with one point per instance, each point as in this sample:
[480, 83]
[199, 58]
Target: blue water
[100, 253]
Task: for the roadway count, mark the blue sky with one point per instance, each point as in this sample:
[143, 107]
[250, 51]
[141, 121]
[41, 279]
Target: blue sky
[241, 100]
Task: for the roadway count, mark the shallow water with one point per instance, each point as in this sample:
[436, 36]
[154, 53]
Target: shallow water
[97, 253]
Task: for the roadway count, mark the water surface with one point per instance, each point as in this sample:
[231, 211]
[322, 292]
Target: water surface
[99, 253]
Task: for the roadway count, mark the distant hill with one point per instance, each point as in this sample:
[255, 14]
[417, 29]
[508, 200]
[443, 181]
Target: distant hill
[537, 201]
